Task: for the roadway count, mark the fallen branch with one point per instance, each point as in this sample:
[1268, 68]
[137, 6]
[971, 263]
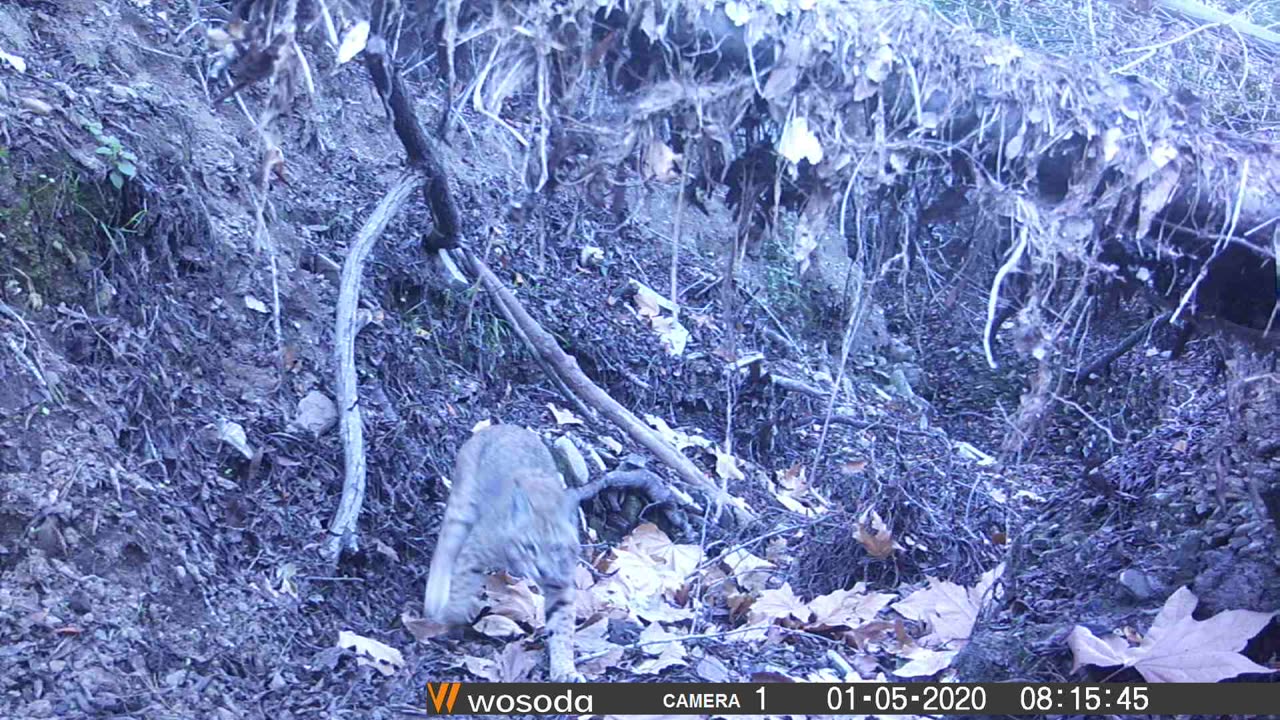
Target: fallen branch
[511, 309]
[798, 386]
[582, 390]
[342, 531]
[447, 231]
[1130, 342]
[30, 364]
[1206, 16]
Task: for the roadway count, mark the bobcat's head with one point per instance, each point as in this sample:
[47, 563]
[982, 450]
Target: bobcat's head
[544, 535]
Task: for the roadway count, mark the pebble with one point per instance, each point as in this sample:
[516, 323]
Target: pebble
[1137, 583]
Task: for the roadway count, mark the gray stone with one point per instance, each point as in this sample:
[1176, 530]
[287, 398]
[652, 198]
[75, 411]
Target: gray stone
[317, 414]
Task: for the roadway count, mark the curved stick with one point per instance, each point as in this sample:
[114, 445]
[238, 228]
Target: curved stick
[342, 531]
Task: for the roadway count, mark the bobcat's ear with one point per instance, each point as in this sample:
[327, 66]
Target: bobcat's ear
[521, 507]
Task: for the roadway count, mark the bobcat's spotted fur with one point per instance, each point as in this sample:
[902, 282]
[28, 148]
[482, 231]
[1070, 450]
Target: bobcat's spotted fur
[508, 510]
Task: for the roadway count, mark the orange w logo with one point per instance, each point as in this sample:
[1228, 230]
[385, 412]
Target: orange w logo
[443, 696]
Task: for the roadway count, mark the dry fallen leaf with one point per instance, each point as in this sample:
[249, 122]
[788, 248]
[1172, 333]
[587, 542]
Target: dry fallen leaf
[594, 652]
[948, 609]
[727, 466]
[712, 669]
[353, 41]
[562, 416]
[650, 302]
[848, 608]
[233, 434]
[876, 632]
[798, 142]
[498, 626]
[780, 604]
[1179, 648]
[514, 599]
[663, 648]
[875, 536]
[811, 227]
[513, 664]
[853, 467]
[17, 62]
[676, 438]
[381, 657]
[673, 335]
[218, 38]
[422, 629]
[793, 479]
[660, 163]
[879, 65]
[924, 662]
[255, 305]
[590, 256]
[671, 562]
[748, 571]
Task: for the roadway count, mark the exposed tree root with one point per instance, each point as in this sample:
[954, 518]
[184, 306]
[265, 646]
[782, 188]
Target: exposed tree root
[342, 531]
[1131, 341]
[644, 481]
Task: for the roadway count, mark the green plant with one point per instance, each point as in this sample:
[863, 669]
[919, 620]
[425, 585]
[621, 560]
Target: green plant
[783, 289]
[122, 160]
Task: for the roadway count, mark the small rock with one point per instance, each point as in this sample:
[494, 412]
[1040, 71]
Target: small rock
[80, 603]
[317, 414]
[571, 462]
[1138, 584]
[233, 434]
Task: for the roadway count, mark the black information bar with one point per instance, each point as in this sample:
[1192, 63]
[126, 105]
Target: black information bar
[448, 698]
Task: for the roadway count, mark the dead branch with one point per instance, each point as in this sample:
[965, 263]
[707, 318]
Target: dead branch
[579, 386]
[797, 386]
[1131, 341]
[395, 95]
[1204, 15]
[426, 172]
[510, 308]
[31, 364]
[342, 531]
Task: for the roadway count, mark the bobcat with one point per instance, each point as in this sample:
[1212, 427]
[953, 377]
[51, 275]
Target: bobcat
[508, 510]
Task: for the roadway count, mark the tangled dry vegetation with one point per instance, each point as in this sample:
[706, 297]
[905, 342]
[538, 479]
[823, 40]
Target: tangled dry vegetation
[866, 282]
